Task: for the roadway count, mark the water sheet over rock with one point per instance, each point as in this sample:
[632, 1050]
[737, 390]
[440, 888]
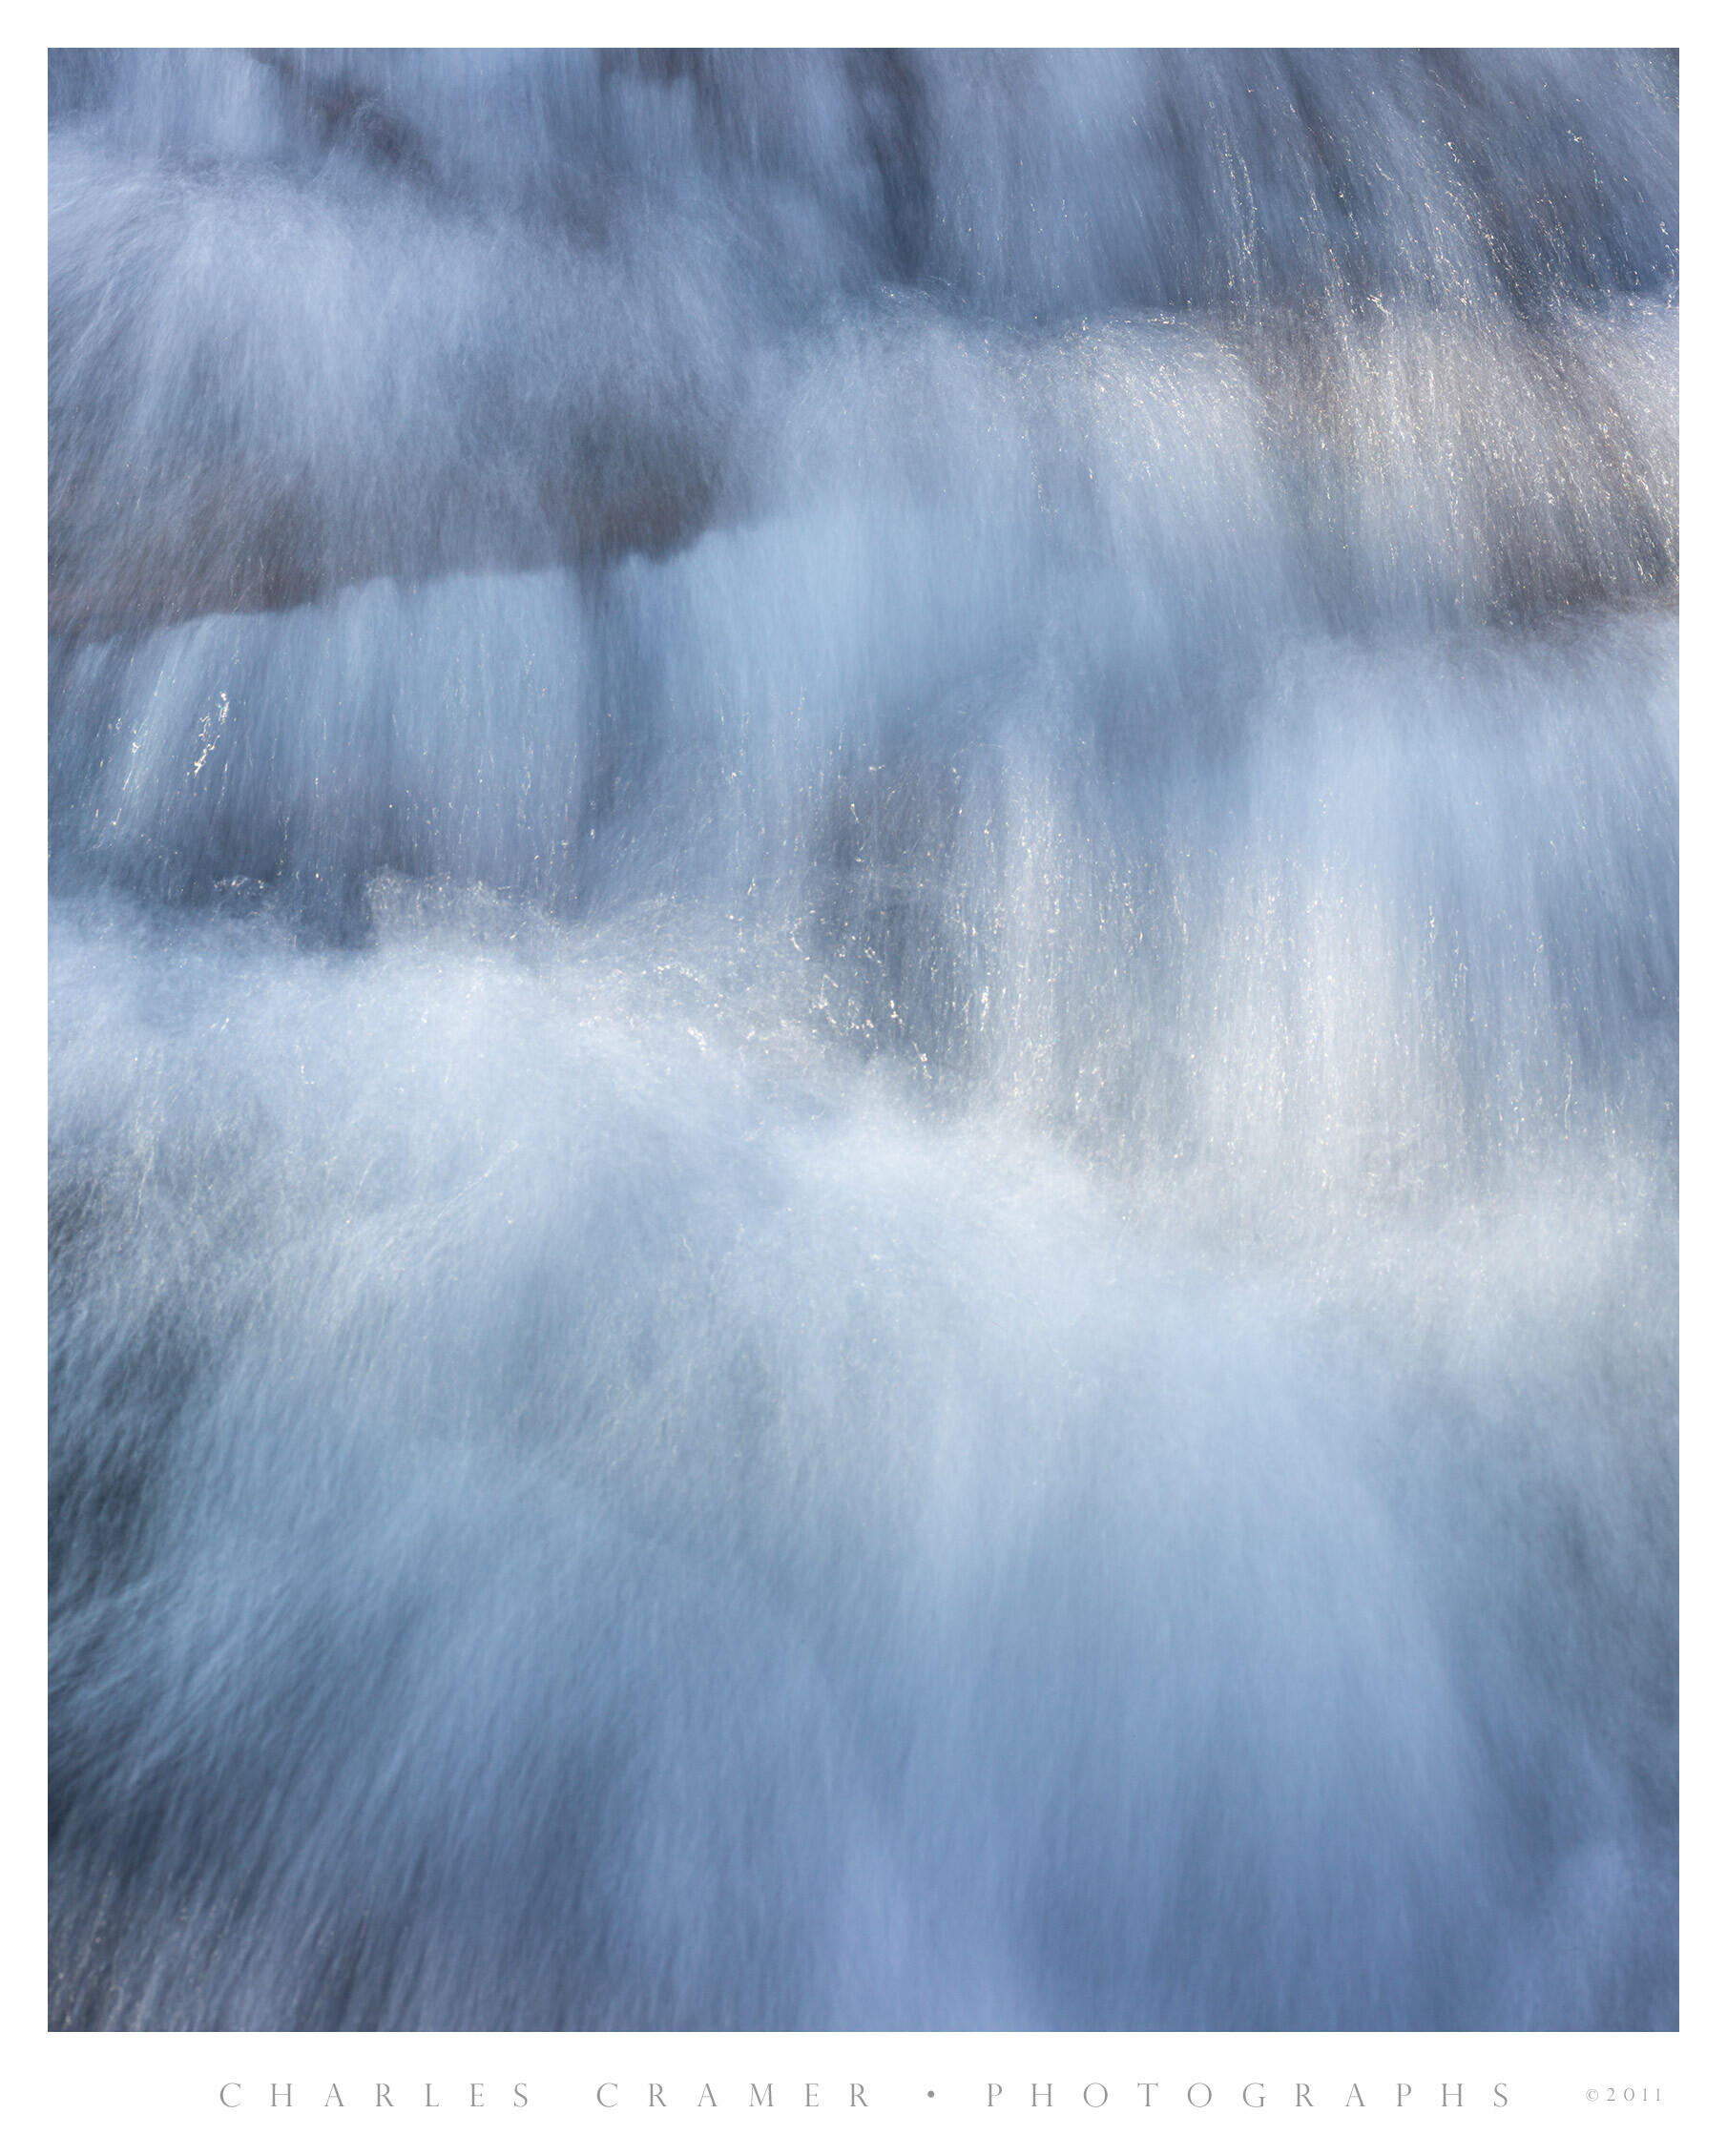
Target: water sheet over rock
[863, 1018]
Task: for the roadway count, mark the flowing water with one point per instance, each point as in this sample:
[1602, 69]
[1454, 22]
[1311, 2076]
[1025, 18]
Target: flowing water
[862, 1018]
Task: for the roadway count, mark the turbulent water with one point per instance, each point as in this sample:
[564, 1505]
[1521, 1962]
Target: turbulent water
[862, 1016]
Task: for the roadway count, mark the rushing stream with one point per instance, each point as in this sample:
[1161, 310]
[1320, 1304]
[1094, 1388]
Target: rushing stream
[862, 1017]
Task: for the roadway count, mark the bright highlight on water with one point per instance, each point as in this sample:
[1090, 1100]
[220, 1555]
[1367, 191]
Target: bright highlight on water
[864, 1017]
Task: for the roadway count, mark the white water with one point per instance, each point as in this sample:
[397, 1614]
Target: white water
[863, 971]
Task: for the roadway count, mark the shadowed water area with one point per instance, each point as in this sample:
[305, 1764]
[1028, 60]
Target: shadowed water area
[863, 1007]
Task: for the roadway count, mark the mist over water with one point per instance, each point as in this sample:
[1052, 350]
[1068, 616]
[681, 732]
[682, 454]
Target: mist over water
[864, 1040]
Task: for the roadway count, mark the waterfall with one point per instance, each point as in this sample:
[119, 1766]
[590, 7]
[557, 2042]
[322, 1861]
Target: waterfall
[862, 1007]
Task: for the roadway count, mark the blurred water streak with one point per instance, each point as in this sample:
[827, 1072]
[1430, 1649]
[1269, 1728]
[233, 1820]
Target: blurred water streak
[863, 1015]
